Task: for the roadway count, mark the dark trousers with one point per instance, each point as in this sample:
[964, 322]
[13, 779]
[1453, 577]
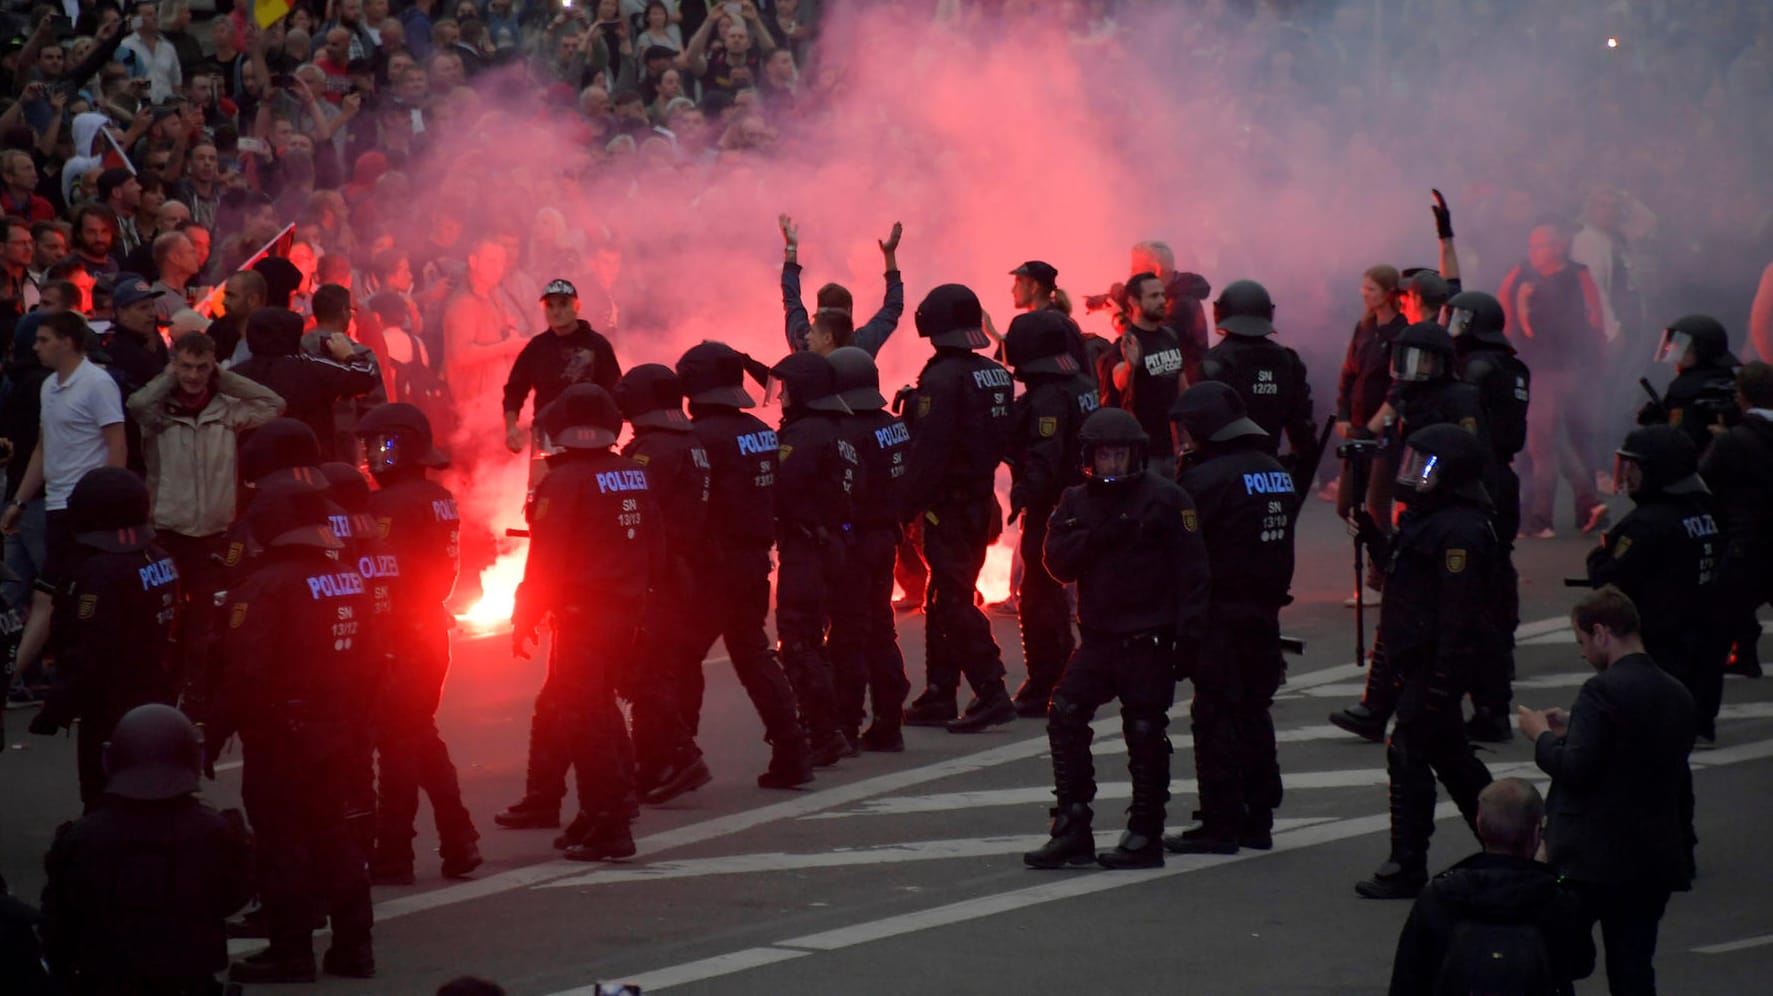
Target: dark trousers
[909, 571]
[1558, 442]
[1629, 916]
[1043, 610]
[807, 586]
[413, 754]
[1747, 585]
[294, 787]
[200, 577]
[577, 723]
[864, 640]
[1429, 742]
[1492, 683]
[957, 636]
[1134, 670]
[733, 597]
[659, 682]
[1236, 673]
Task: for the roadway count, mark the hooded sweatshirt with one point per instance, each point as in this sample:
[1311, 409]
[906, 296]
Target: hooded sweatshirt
[308, 384]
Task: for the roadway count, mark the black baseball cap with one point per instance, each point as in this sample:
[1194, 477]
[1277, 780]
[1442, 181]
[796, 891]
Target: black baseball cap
[559, 286]
[1037, 271]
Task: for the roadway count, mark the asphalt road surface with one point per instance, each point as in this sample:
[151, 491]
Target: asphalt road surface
[896, 874]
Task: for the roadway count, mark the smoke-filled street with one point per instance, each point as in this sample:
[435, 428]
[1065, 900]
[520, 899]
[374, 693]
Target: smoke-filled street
[895, 873]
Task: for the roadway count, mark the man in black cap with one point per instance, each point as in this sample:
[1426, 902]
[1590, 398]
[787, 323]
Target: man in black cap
[1422, 293]
[573, 353]
[417, 518]
[1036, 288]
[1145, 374]
[732, 583]
[138, 353]
[112, 622]
[119, 190]
[882, 444]
[816, 479]
[658, 680]
[166, 935]
[833, 324]
[1247, 504]
[1044, 460]
[1269, 378]
[960, 427]
[596, 549]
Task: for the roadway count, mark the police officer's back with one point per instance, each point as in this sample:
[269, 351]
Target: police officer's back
[139, 888]
[1703, 391]
[1739, 469]
[881, 440]
[415, 515]
[1269, 377]
[112, 620]
[1488, 363]
[741, 447]
[675, 460]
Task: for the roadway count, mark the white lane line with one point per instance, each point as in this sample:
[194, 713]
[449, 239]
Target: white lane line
[1742, 945]
[885, 854]
[698, 971]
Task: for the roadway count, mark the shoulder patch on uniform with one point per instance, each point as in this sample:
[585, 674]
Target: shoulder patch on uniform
[1049, 426]
[642, 458]
[1191, 520]
[1469, 424]
[1621, 546]
[923, 406]
[237, 618]
[783, 451]
[384, 526]
[1455, 561]
[88, 606]
[235, 552]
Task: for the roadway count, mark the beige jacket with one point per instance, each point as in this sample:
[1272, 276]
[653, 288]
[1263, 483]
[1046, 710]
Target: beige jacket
[191, 465]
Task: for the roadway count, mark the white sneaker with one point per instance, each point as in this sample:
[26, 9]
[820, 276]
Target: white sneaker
[1366, 596]
[1546, 533]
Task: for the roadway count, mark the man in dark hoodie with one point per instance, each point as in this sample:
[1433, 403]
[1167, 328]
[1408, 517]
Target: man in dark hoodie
[1492, 905]
[309, 384]
[571, 352]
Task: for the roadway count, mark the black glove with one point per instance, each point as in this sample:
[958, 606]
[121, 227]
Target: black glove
[1443, 218]
[1652, 413]
[1015, 513]
[902, 398]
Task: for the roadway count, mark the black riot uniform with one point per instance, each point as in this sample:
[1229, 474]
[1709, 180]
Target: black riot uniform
[1269, 377]
[1131, 540]
[1703, 391]
[1739, 470]
[814, 484]
[960, 427]
[416, 517]
[112, 621]
[882, 445]
[1435, 627]
[1247, 504]
[733, 573]
[1044, 460]
[1488, 363]
[1665, 554]
[667, 762]
[293, 654]
[596, 551]
[139, 888]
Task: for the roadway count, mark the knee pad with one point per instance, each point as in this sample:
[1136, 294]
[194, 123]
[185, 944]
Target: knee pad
[1065, 716]
[1146, 732]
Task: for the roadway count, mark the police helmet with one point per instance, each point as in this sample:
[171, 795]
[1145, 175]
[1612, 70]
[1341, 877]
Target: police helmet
[1700, 336]
[154, 753]
[1039, 342]
[1477, 316]
[1244, 308]
[806, 381]
[950, 316]
[1110, 428]
[345, 486]
[650, 395]
[1657, 459]
[584, 417]
[713, 373]
[276, 449]
[108, 510]
[1423, 352]
[1210, 412]
[398, 436]
[291, 514]
[858, 379]
[1442, 459]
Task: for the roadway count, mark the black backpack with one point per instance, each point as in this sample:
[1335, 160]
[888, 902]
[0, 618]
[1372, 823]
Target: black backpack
[1496, 959]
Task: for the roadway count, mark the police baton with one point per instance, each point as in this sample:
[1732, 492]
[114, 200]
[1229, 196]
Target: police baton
[1292, 645]
[517, 533]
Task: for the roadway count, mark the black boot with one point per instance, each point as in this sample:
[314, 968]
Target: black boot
[574, 832]
[1395, 879]
[827, 749]
[1031, 699]
[608, 838]
[1136, 850]
[1488, 726]
[355, 961]
[990, 708]
[275, 964]
[932, 708]
[1257, 833]
[530, 814]
[1148, 761]
[1203, 839]
[1361, 721]
[1072, 842]
[789, 764]
[882, 739]
[460, 859]
[678, 777]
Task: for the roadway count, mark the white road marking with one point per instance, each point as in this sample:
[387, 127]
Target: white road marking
[707, 968]
[1742, 945]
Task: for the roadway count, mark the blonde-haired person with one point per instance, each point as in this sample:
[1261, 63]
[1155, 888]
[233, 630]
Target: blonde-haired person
[1360, 392]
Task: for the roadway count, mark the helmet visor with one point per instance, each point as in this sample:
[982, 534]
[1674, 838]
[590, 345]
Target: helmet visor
[1673, 347]
[1183, 439]
[1459, 321]
[1628, 474]
[1110, 462]
[775, 391]
[385, 452]
[1413, 363]
[1418, 471]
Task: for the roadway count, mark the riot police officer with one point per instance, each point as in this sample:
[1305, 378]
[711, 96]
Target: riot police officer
[1434, 626]
[1247, 504]
[165, 934]
[1703, 391]
[1664, 554]
[667, 762]
[112, 619]
[595, 552]
[960, 428]
[1131, 540]
[816, 478]
[417, 518]
[1044, 460]
[1739, 469]
[1269, 377]
[293, 655]
[881, 442]
[733, 575]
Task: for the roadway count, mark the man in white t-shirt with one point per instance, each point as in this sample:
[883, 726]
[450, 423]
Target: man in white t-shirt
[82, 429]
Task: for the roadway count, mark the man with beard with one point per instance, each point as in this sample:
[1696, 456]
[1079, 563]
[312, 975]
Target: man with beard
[1145, 374]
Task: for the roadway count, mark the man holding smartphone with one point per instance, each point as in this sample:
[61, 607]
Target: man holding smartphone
[150, 56]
